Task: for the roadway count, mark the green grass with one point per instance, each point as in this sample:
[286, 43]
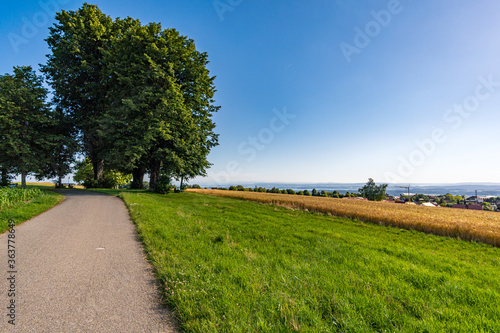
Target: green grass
[228, 265]
[12, 196]
[38, 200]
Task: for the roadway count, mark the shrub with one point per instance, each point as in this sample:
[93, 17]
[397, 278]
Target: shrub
[90, 183]
[164, 185]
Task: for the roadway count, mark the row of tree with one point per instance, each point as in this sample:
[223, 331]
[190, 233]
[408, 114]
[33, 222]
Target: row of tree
[313, 192]
[131, 98]
[370, 191]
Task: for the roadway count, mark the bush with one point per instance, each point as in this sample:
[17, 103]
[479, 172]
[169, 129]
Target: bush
[108, 182]
[136, 185]
[105, 183]
[90, 183]
[164, 185]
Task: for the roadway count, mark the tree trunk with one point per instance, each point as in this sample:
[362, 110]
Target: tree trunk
[182, 178]
[60, 181]
[138, 178]
[98, 165]
[23, 179]
[5, 176]
[155, 169]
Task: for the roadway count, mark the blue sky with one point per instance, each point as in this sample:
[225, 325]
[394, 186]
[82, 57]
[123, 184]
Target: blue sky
[327, 91]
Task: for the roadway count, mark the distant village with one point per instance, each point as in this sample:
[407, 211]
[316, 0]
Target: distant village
[449, 201]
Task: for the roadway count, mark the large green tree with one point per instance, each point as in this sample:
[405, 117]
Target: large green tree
[76, 71]
[162, 97]
[140, 97]
[61, 157]
[26, 123]
[372, 191]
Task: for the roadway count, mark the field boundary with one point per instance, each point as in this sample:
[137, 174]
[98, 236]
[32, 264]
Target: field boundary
[478, 226]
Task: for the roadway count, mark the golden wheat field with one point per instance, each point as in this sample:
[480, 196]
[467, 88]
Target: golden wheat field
[480, 226]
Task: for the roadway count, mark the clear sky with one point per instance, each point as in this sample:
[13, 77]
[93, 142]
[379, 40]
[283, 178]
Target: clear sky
[327, 91]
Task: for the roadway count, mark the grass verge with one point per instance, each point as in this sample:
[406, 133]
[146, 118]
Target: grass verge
[23, 211]
[229, 265]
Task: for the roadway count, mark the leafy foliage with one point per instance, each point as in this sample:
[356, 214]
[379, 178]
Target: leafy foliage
[64, 147]
[26, 123]
[112, 178]
[164, 186]
[140, 96]
[75, 70]
[373, 192]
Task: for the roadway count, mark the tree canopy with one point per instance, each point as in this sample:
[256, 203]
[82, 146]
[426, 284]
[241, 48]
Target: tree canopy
[75, 69]
[27, 124]
[140, 97]
[373, 192]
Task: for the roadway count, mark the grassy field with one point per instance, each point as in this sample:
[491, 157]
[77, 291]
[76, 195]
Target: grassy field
[228, 265]
[481, 226]
[21, 205]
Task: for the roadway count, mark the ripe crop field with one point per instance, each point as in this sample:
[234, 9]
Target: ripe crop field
[480, 226]
[227, 265]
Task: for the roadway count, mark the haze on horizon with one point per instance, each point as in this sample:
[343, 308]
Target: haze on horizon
[327, 91]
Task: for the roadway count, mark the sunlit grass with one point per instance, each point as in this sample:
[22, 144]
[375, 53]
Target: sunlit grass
[480, 226]
[229, 265]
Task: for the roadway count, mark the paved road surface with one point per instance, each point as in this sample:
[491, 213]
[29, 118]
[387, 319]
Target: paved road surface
[81, 268]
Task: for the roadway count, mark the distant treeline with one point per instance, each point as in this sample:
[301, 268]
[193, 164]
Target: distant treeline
[314, 192]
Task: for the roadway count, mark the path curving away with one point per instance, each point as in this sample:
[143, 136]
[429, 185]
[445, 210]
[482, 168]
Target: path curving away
[81, 268]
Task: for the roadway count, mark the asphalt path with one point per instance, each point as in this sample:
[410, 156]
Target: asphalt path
[80, 267]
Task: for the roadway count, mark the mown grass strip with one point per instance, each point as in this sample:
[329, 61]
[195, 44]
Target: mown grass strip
[238, 266]
[480, 226]
[27, 205]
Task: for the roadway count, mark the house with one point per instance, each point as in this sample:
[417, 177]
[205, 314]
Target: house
[354, 198]
[469, 206]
